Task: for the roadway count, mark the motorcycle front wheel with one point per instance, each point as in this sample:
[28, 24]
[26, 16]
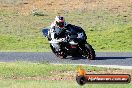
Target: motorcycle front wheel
[60, 54]
[89, 52]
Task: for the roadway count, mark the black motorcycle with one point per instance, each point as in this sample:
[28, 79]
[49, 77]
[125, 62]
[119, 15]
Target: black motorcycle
[72, 43]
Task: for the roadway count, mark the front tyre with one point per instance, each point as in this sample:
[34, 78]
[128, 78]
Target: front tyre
[59, 54]
[89, 52]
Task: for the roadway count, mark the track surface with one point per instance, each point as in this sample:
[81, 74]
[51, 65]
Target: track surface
[102, 58]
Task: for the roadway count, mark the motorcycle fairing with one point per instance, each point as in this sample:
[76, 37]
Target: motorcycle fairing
[45, 31]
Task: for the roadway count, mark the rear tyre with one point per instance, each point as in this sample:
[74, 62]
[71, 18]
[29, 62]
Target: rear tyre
[89, 52]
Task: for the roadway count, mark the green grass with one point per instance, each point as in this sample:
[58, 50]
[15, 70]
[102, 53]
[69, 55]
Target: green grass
[106, 31]
[22, 33]
[55, 84]
[26, 69]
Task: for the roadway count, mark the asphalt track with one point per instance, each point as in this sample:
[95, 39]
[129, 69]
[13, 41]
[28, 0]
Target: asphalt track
[102, 58]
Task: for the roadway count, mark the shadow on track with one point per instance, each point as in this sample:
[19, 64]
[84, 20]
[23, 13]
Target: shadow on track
[105, 58]
[97, 58]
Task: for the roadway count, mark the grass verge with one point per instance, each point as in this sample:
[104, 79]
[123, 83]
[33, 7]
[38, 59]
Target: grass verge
[25, 69]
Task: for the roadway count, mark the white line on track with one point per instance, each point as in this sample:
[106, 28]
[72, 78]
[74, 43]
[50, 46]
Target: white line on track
[105, 66]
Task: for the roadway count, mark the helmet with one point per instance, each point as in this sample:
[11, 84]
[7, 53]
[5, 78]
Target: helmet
[60, 21]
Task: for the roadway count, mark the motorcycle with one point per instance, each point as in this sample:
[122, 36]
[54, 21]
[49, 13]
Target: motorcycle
[73, 43]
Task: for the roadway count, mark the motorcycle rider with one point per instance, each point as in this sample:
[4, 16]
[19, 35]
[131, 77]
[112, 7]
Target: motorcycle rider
[57, 30]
